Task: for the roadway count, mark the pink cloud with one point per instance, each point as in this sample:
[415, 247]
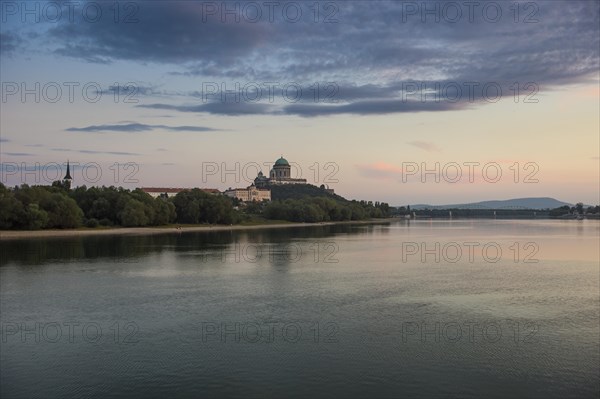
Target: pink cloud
[380, 170]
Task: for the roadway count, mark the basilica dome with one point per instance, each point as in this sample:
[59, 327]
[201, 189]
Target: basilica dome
[282, 162]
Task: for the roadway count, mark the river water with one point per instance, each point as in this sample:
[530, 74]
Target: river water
[463, 308]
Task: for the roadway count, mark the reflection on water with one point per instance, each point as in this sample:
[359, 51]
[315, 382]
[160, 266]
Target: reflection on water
[131, 248]
[467, 308]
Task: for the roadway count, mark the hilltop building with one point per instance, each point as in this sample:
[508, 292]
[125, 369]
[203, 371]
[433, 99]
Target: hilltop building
[327, 189]
[279, 174]
[248, 194]
[167, 192]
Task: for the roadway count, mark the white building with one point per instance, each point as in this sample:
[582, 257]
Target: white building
[251, 193]
[169, 192]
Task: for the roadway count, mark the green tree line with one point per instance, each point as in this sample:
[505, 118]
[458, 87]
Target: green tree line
[577, 209]
[47, 207]
[319, 209]
[58, 207]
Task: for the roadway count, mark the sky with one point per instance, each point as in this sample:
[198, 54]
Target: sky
[403, 102]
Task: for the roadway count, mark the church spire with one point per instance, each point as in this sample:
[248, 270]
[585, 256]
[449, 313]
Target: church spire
[68, 175]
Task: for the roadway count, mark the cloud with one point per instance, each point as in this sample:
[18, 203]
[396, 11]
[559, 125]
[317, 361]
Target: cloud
[201, 43]
[374, 107]
[108, 152]
[380, 170]
[425, 145]
[558, 46]
[3, 140]
[9, 42]
[218, 108]
[19, 154]
[370, 107]
[96, 152]
[347, 98]
[138, 127]
[158, 32]
[131, 90]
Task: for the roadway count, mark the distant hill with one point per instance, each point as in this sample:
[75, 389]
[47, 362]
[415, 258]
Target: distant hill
[516, 203]
[299, 191]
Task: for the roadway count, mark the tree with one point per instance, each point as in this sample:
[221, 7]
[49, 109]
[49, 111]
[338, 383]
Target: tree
[563, 210]
[196, 206]
[165, 212]
[133, 214]
[11, 209]
[62, 211]
[34, 218]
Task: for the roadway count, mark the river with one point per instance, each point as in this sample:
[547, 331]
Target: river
[443, 308]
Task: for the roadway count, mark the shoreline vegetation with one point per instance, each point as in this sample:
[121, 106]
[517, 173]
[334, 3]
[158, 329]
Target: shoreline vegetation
[59, 210]
[6, 235]
[60, 207]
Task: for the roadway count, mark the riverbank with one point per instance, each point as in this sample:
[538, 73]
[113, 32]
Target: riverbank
[26, 234]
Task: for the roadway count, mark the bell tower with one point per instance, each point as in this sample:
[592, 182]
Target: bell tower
[67, 179]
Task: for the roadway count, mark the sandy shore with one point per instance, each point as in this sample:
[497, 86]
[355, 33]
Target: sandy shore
[25, 234]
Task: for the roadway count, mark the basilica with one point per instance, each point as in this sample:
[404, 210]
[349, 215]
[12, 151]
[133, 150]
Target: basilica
[280, 174]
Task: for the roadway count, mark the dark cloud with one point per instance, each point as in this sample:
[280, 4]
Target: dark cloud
[3, 140]
[373, 100]
[347, 98]
[368, 53]
[311, 110]
[219, 108]
[9, 42]
[132, 90]
[370, 108]
[138, 127]
[163, 32]
[19, 154]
